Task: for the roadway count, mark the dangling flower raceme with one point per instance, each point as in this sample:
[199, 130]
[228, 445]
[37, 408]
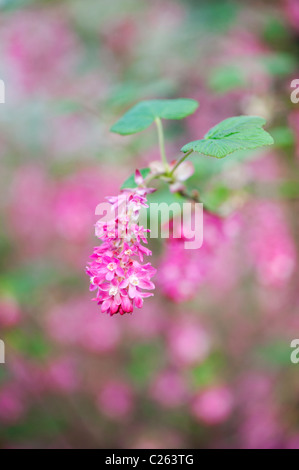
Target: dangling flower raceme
[115, 270]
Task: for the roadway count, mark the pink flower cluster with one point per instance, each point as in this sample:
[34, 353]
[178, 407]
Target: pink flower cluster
[114, 271]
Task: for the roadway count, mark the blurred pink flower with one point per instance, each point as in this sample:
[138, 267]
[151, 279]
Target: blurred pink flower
[28, 375]
[77, 323]
[120, 35]
[265, 168]
[292, 442]
[182, 271]
[38, 49]
[76, 199]
[115, 400]
[30, 207]
[76, 134]
[188, 342]
[12, 406]
[61, 375]
[291, 10]
[260, 427]
[169, 390]
[151, 323]
[214, 108]
[213, 405]
[241, 42]
[271, 247]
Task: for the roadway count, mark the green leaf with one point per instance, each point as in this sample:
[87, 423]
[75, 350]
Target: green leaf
[143, 114]
[235, 133]
[130, 182]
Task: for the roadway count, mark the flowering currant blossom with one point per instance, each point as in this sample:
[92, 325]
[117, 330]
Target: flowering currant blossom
[115, 270]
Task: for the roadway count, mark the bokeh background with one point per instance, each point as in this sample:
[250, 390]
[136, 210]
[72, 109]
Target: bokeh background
[206, 362]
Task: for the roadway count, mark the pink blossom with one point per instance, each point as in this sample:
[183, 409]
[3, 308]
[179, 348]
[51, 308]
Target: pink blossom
[148, 325]
[188, 342]
[120, 35]
[270, 244]
[61, 375]
[38, 49]
[75, 199]
[12, 405]
[260, 426]
[31, 207]
[213, 405]
[169, 390]
[182, 271]
[241, 42]
[76, 323]
[291, 10]
[28, 375]
[292, 442]
[118, 279]
[115, 400]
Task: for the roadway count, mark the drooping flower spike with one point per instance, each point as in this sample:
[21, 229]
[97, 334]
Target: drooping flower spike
[115, 274]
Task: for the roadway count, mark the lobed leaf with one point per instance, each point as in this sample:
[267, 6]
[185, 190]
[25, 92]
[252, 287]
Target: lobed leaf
[230, 135]
[143, 114]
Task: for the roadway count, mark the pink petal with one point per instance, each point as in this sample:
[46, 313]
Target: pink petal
[146, 294]
[110, 276]
[124, 284]
[114, 307]
[120, 272]
[138, 301]
[105, 305]
[104, 286]
[144, 284]
[138, 177]
[126, 304]
[132, 291]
